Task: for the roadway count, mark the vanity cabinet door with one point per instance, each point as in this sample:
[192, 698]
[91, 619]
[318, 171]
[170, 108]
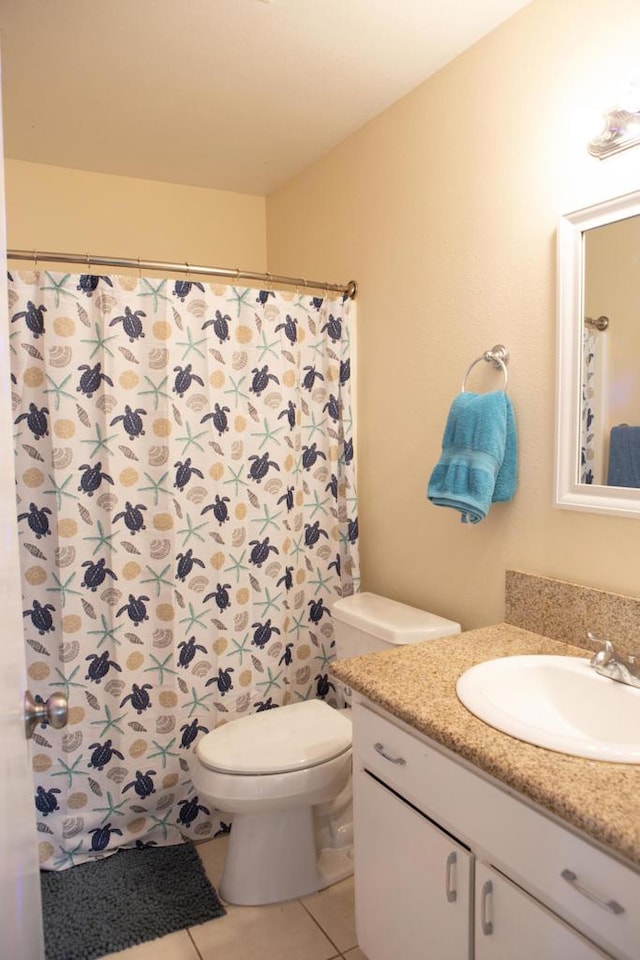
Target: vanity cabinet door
[412, 880]
[509, 923]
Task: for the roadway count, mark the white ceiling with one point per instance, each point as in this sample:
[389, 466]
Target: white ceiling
[232, 94]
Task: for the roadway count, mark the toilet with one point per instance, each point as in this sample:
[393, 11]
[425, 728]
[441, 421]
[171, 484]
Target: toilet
[284, 775]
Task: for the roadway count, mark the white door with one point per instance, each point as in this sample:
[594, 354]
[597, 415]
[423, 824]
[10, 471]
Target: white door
[20, 915]
[509, 923]
[412, 880]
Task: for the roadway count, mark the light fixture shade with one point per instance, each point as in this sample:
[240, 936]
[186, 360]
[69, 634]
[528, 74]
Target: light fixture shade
[621, 131]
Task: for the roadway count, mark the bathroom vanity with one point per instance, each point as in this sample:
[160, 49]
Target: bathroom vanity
[469, 843]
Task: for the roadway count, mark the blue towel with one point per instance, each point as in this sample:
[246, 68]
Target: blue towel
[624, 456]
[478, 463]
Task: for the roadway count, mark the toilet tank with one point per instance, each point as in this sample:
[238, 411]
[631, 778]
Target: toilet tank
[367, 623]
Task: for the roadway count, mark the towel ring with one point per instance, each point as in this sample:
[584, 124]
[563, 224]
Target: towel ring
[498, 356]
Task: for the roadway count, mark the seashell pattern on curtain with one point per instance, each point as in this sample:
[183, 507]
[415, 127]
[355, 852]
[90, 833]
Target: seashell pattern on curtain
[187, 515]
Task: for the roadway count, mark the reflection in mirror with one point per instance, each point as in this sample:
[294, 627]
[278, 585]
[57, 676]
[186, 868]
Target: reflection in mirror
[610, 441]
[598, 385]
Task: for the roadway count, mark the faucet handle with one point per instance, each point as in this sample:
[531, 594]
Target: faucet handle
[605, 654]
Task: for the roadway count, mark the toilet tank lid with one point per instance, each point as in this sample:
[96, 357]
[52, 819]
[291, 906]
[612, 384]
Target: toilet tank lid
[391, 621]
[280, 740]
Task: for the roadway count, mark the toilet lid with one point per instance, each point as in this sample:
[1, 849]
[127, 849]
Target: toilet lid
[277, 741]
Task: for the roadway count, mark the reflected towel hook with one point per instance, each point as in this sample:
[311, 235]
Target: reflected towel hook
[498, 356]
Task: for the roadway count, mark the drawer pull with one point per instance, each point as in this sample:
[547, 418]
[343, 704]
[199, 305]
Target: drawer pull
[450, 887]
[611, 905]
[485, 923]
[379, 748]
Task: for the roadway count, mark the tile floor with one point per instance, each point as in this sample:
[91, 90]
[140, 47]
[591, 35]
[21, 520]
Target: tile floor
[317, 927]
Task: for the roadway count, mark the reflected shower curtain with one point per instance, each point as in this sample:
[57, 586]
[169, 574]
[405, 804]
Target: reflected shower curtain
[187, 515]
[587, 420]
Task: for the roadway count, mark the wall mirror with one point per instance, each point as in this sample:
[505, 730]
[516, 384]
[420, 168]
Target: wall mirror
[598, 361]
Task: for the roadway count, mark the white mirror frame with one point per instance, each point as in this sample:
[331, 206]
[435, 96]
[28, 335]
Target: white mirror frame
[569, 494]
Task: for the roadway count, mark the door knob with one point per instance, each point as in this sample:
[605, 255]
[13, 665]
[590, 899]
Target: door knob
[53, 711]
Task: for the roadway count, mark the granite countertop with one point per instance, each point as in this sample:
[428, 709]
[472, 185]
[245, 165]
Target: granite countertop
[416, 684]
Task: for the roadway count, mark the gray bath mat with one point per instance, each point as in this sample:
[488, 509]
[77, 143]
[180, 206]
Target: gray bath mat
[135, 895]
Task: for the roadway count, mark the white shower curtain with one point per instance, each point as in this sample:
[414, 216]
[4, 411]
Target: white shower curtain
[588, 422]
[187, 515]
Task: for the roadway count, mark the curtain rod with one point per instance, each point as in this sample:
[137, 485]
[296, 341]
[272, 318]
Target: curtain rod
[350, 289]
[601, 323]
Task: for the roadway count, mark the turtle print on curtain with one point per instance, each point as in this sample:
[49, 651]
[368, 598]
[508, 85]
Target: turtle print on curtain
[187, 514]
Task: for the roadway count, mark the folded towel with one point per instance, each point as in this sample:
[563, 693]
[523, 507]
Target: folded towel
[624, 457]
[478, 463]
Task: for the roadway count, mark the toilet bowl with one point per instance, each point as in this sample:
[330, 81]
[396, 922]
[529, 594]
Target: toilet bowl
[270, 770]
[284, 775]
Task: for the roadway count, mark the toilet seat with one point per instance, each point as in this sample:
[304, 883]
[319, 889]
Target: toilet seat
[282, 740]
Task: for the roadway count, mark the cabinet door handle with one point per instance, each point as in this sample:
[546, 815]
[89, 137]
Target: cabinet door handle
[450, 887]
[485, 923]
[379, 748]
[611, 905]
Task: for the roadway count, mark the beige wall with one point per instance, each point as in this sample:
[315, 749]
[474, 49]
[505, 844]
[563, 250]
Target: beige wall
[74, 211]
[444, 208]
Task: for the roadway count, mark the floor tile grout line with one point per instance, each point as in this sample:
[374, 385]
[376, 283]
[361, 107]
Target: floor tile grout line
[321, 928]
[195, 946]
[336, 956]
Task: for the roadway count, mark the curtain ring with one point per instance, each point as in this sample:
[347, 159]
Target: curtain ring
[35, 259]
[237, 273]
[269, 280]
[187, 270]
[88, 263]
[139, 270]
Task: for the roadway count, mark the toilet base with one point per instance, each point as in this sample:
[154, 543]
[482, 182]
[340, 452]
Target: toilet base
[335, 864]
[271, 857]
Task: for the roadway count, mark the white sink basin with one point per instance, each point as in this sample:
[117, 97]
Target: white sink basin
[560, 703]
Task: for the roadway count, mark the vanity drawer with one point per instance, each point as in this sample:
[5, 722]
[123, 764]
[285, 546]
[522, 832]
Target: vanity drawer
[581, 883]
[387, 751]
[500, 829]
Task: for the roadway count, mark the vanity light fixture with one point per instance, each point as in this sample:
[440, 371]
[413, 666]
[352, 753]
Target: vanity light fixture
[621, 125]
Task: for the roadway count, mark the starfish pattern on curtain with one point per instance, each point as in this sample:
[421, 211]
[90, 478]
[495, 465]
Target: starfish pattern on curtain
[187, 515]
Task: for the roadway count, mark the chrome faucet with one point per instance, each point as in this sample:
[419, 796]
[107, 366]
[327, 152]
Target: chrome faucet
[608, 663]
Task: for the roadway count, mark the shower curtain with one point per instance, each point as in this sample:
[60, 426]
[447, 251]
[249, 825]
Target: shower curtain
[588, 416]
[187, 515]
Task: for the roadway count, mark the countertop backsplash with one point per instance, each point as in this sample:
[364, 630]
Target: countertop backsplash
[565, 611]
